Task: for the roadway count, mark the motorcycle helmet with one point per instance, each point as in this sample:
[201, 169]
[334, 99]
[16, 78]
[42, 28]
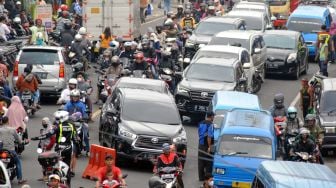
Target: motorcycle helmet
[187, 13]
[279, 100]
[67, 24]
[39, 35]
[82, 31]
[180, 8]
[310, 119]
[292, 112]
[139, 56]
[114, 44]
[75, 93]
[128, 44]
[17, 20]
[72, 81]
[78, 66]
[159, 28]
[61, 116]
[78, 37]
[168, 23]
[165, 147]
[107, 54]
[304, 131]
[115, 60]
[145, 43]
[64, 7]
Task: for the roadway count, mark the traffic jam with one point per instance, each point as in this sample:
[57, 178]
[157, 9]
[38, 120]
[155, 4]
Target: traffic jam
[168, 93]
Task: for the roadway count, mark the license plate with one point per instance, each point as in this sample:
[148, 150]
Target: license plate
[237, 184]
[5, 160]
[201, 108]
[167, 176]
[26, 97]
[42, 75]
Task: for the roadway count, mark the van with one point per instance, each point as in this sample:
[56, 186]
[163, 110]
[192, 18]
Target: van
[247, 138]
[278, 174]
[326, 111]
[224, 101]
[302, 20]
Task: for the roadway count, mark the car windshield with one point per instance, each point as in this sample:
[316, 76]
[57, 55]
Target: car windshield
[140, 86]
[328, 102]
[280, 41]
[39, 56]
[210, 72]
[245, 43]
[246, 146]
[306, 25]
[219, 55]
[252, 23]
[155, 112]
[211, 28]
[277, 2]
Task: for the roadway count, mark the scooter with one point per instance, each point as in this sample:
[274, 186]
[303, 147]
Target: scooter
[8, 159]
[27, 101]
[167, 177]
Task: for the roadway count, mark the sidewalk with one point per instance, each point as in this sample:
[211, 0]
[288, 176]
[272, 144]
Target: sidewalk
[157, 13]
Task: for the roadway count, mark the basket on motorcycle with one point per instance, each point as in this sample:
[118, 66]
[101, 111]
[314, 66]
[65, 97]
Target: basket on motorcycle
[48, 158]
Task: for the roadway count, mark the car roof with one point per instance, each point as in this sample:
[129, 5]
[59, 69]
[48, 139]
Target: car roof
[241, 34]
[306, 11]
[141, 83]
[250, 6]
[146, 95]
[249, 13]
[222, 20]
[216, 61]
[252, 2]
[329, 84]
[42, 47]
[298, 174]
[222, 100]
[222, 48]
[282, 32]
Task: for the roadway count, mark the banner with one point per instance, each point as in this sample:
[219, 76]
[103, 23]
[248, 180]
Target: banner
[45, 14]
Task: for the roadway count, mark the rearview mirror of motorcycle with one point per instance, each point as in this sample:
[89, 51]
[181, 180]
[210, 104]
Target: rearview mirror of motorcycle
[39, 150]
[63, 139]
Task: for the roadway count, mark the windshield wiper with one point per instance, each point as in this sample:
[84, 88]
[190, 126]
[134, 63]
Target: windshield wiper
[236, 153]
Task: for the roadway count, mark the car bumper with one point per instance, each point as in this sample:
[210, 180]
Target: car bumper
[279, 23]
[274, 68]
[187, 106]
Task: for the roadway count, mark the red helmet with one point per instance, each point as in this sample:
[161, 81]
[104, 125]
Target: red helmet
[139, 55]
[64, 7]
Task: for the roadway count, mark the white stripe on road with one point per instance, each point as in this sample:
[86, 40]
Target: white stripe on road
[296, 99]
[96, 114]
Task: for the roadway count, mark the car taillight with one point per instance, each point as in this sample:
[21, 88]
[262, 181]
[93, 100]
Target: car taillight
[3, 155]
[16, 69]
[61, 70]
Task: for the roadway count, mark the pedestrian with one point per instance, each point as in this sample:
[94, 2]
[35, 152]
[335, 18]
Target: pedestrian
[206, 140]
[306, 97]
[105, 38]
[167, 6]
[143, 7]
[323, 53]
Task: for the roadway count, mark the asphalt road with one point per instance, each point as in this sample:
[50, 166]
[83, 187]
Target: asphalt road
[138, 174]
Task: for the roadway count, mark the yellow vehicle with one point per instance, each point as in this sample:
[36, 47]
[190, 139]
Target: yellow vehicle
[280, 10]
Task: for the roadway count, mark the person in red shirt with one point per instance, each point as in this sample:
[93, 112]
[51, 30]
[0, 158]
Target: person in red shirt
[109, 167]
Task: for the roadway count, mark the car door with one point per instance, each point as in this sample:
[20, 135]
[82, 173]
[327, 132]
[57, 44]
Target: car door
[302, 51]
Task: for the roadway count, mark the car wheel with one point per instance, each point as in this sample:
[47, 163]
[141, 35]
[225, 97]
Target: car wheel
[306, 68]
[296, 75]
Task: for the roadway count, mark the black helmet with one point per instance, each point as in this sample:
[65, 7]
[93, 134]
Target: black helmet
[279, 100]
[159, 28]
[67, 24]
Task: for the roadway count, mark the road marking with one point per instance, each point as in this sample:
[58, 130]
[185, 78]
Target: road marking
[96, 114]
[296, 99]
[155, 20]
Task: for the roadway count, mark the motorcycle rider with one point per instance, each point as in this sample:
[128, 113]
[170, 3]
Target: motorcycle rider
[211, 11]
[107, 55]
[46, 144]
[188, 21]
[180, 14]
[278, 108]
[65, 95]
[38, 29]
[65, 17]
[115, 68]
[201, 13]
[315, 130]
[169, 159]
[8, 136]
[218, 8]
[67, 34]
[161, 35]
[303, 144]
[127, 51]
[27, 81]
[208, 182]
[109, 168]
[306, 97]
[139, 63]
[86, 45]
[78, 48]
[84, 86]
[114, 48]
[170, 29]
[293, 123]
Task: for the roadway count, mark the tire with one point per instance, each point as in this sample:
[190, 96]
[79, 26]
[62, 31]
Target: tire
[256, 85]
[296, 75]
[324, 152]
[306, 69]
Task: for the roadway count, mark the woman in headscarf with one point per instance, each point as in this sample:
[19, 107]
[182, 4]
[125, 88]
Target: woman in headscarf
[48, 143]
[17, 116]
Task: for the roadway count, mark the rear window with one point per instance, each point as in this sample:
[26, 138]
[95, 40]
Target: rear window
[38, 56]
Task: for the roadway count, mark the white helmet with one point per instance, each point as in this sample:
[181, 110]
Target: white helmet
[114, 44]
[39, 35]
[62, 116]
[75, 93]
[17, 20]
[82, 31]
[73, 81]
[78, 37]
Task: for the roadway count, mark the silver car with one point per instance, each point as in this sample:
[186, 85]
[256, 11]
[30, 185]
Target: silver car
[48, 63]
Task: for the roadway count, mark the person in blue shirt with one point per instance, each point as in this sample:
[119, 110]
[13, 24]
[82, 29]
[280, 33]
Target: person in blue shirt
[75, 105]
[206, 140]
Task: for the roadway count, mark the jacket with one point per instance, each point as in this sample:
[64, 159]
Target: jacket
[28, 82]
[171, 161]
[8, 136]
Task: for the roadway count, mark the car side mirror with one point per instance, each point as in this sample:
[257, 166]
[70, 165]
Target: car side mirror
[257, 51]
[247, 65]
[273, 18]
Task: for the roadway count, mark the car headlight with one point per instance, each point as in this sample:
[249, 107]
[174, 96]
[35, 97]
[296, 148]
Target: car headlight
[189, 44]
[186, 60]
[181, 138]
[292, 57]
[219, 171]
[329, 129]
[181, 89]
[125, 133]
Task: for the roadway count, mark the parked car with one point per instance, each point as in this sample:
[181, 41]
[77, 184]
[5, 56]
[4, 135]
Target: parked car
[254, 20]
[326, 110]
[206, 29]
[202, 79]
[302, 20]
[137, 122]
[254, 6]
[293, 174]
[287, 53]
[48, 63]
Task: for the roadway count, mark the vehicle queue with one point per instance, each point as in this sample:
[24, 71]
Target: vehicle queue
[211, 70]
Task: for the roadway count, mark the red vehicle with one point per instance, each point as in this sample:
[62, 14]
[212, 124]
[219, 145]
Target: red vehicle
[281, 9]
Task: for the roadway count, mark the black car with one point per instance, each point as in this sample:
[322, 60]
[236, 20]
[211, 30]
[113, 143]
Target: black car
[286, 53]
[138, 122]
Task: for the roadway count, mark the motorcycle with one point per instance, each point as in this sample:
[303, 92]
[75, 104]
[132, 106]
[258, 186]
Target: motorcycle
[52, 163]
[290, 139]
[8, 159]
[167, 75]
[304, 157]
[84, 96]
[83, 133]
[169, 176]
[27, 101]
[112, 183]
